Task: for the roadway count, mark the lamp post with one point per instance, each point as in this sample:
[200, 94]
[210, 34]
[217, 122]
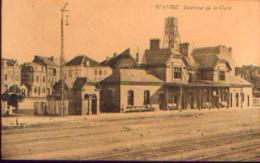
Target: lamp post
[63, 10]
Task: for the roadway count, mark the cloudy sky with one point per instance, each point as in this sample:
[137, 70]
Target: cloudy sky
[98, 28]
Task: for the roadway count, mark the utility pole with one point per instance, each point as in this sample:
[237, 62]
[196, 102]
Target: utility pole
[62, 57]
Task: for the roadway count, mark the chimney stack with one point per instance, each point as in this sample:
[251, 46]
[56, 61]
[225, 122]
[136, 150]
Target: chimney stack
[184, 48]
[137, 57]
[230, 50]
[114, 55]
[52, 58]
[155, 44]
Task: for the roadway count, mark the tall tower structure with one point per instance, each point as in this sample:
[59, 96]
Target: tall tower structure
[171, 34]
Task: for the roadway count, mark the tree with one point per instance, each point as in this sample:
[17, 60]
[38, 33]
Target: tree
[13, 96]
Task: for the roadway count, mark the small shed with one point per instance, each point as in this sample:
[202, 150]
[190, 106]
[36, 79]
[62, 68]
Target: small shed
[86, 99]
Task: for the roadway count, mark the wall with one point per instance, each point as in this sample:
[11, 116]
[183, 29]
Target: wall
[99, 73]
[122, 63]
[71, 73]
[175, 62]
[89, 89]
[105, 99]
[96, 74]
[159, 72]
[221, 67]
[27, 105]
[139, 94]
[11, 74]
[30, 73]
[241, 104]
[207, 75]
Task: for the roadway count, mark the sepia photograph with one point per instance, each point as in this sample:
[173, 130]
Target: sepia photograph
[139, 80]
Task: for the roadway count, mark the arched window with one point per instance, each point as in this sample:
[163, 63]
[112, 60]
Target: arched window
[237, 99]
[146, 97]
[130, 97]
[39, 90]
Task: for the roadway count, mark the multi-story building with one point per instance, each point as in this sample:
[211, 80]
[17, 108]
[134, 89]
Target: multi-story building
[52, 71]
[39, 76]
[34, 79]
[83, 66]
[10, 74]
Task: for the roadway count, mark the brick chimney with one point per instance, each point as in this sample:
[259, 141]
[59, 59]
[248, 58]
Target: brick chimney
[52, 58]
[155, 44]
[184, 48]
[137, 57]
[230, 50]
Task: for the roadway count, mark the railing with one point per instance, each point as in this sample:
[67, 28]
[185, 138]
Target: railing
[256, 101]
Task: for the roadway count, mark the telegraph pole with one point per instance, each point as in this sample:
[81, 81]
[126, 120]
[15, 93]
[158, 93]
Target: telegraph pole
[62, 57]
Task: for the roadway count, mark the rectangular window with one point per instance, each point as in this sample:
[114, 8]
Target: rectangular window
[130, 97]
[177, 72]
[248, 100]
[221, 75]
[237, 99]
[6, 76]
[146, 97]
[231, 100]
[100, 72]
[95, 72]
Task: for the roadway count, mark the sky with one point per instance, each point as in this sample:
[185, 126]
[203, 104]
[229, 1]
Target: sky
[99, 28]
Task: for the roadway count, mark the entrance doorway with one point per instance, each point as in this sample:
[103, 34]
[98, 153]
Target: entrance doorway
[161, 101]
[94, 104]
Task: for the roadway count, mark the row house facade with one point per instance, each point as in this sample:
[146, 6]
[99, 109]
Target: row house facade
[38, 77]
[10, 74]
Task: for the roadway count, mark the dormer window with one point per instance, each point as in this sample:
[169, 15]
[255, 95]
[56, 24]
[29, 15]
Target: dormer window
[177, 71]
[221, 75]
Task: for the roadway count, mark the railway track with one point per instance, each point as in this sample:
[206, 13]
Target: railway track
[140, 138]
[173, 148]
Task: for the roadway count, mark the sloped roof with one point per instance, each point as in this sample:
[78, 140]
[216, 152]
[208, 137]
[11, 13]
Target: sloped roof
[131, 75]
[81, 60]
[190, 62]
[156, 57]
[44, 60]
[57, 86]
[9, 62]
[211, 53]
[208, 50]
[159, 57]
[111, 61]
[80, 82]
[209, 61]
[237, 80]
